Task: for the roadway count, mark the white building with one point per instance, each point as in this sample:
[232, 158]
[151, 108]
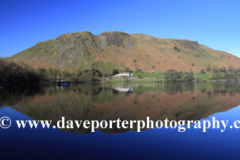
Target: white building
[124, 74]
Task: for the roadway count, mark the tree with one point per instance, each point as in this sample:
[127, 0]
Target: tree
[173, 75]
[231, 68]
[238, 69]
[93, 69]
[66, 73]
[139, 70]
[176, 49]
[127, 69]
[50, 74]
[57, 72]
[79, 72]
[222, 69]
[42, 73]
[115, 71]
[210, 77]
[208, 68]
[214, 69]
[202, 71]
[41, 69]
[216, 76]
[189, 77]
[140, 77]
[50, 71]
[231, 75]
[185, 71]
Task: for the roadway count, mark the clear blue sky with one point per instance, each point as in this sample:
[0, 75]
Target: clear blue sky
[214, 23]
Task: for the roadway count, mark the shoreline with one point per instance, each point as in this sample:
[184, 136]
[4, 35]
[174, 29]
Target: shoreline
[136, 81]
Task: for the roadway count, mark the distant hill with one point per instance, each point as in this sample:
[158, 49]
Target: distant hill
[3, 57]
[119, 50]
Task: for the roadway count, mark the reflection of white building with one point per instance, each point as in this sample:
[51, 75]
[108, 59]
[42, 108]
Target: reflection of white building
[122, 89]
[124, 74]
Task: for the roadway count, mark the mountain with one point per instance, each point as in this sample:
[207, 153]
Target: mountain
[119, 50]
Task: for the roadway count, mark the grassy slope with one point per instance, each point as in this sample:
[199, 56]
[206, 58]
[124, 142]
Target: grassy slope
[154, 76]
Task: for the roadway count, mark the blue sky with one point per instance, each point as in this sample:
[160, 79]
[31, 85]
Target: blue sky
[214, 23]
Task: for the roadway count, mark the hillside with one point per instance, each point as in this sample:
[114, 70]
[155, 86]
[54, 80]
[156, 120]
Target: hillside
[72, 51]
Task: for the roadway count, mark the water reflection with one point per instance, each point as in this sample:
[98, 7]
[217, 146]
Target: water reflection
[175, 101]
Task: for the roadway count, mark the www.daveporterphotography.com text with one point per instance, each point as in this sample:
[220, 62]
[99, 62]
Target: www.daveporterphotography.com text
[180, 125]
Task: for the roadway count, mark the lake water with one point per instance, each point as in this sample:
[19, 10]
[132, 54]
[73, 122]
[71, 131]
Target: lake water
[183, 101]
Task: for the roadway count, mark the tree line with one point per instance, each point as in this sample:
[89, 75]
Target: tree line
[230, 74]
[174, 75]
[11, 72]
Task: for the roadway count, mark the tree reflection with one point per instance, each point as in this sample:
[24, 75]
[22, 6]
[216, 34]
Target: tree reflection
[175, 101]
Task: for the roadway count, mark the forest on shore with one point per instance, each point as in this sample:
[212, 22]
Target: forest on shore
[11, 72]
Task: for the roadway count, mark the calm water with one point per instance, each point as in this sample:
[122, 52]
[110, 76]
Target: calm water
[199, 101]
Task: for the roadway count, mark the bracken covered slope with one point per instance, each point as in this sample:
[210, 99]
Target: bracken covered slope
[118, 50]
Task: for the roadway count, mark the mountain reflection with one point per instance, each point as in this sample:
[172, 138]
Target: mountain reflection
[175, 101]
